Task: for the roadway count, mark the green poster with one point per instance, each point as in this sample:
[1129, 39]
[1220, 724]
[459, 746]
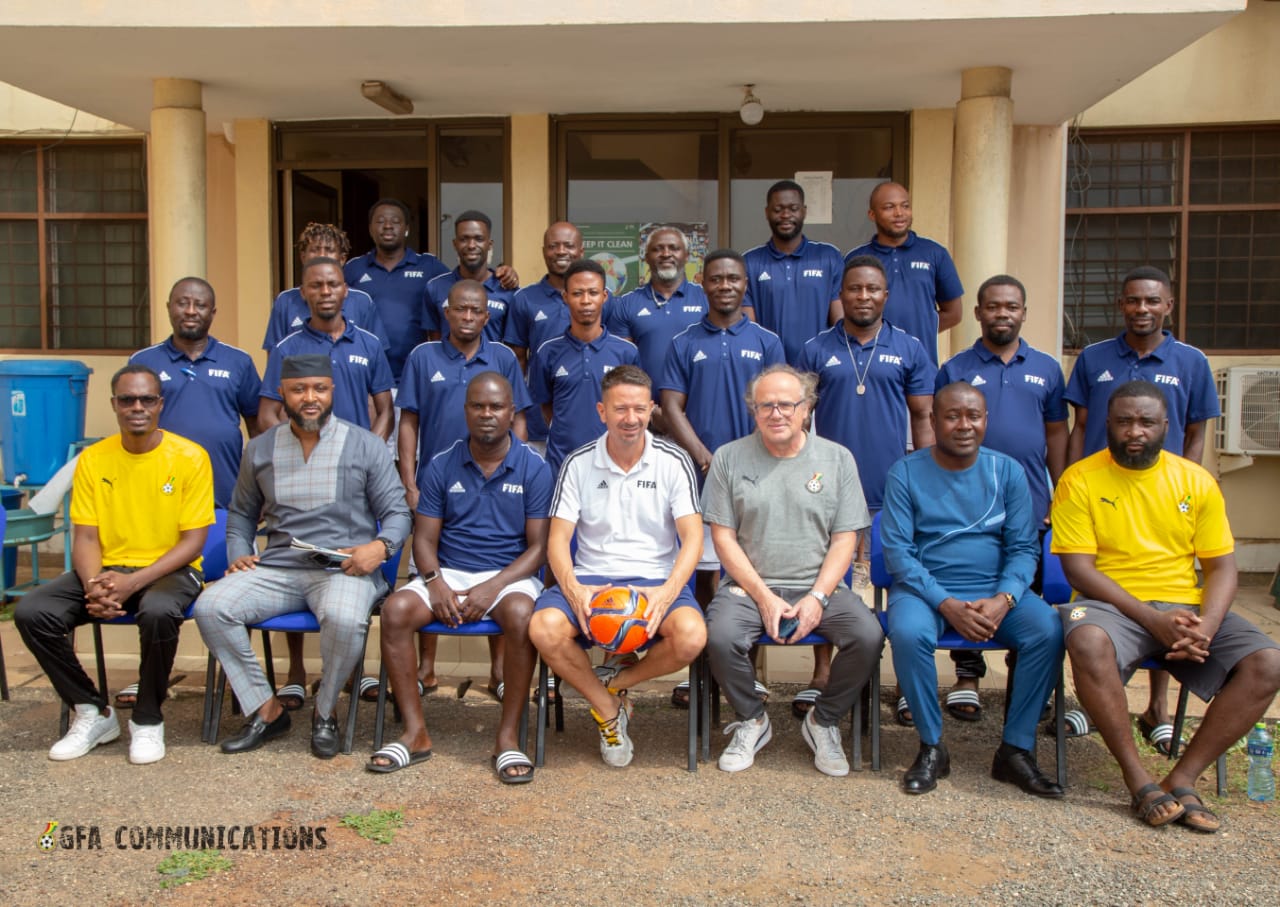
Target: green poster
[617, 248]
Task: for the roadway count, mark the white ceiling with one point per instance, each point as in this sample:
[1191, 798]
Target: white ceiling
[1062, 64]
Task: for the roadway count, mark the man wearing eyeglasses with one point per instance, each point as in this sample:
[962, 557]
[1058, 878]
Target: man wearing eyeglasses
[785, 509]
[141, 508]
[318, 480]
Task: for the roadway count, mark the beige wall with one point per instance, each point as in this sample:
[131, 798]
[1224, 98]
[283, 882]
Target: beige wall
[27, 114]
[932, 138]
[1231, 75]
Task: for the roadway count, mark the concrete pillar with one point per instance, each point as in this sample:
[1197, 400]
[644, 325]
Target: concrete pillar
[177, 191]
[980, 187]
[530, 193]
[255, 239]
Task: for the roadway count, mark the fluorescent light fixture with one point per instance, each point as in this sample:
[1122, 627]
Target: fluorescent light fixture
[385, 97]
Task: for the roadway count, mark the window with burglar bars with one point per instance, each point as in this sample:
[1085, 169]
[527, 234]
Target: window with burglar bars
[73, 246]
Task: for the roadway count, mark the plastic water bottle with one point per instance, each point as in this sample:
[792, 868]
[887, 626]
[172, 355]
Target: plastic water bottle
[1262, 781]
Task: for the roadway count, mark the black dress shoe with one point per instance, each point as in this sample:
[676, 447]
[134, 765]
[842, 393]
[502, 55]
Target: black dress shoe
[257, 732]
[324, 737]
[932, 763]
[1018, 766]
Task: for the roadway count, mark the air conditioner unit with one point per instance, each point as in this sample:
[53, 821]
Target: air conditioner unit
[1250, 400]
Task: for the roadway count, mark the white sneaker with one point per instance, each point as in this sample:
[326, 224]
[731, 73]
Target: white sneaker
[749, 738]
[828, 753]
[89, 727]
[615, 745]
[146, 743]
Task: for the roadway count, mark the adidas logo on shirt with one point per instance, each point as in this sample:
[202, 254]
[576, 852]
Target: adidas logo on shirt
[1105, 376]
[977, 381]
[699, 356]
[365, 278]
[456, 488]
[562, 372]
[164, 376]
[602, 486]
[296, 323]
[541, 316]
[644, 311]
[437, 377]
[831, 362]
[764, 275]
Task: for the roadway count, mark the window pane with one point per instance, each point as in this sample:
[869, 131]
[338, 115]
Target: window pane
[19, 285]
[471, 167]
[857, 158]
[1235, 167]
[93, 179]
[620, 183]
[93, 305]
[18, 178]
[1233, 279]
[1123, 171]
[1100, 250]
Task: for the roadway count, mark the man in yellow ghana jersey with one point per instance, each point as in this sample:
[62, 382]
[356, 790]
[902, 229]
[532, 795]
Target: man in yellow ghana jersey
[141, 506]
[1129, 522]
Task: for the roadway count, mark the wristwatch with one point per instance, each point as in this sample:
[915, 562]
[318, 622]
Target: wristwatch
[429, 577]
[1008, 600]
[389, 545]
[822, 599]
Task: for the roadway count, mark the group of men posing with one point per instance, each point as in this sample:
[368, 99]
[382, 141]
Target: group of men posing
[751, 424]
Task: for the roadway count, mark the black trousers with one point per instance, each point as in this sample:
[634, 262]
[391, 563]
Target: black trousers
[46, 616]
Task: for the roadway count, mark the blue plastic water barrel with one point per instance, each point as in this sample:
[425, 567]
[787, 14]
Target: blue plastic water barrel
[42, 404]
[12, 500]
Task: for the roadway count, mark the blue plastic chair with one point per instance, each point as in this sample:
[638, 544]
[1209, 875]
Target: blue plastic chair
[949, 639]
[294, 622]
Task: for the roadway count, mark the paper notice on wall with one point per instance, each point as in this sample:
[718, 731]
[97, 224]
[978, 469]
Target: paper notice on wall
[817, 194]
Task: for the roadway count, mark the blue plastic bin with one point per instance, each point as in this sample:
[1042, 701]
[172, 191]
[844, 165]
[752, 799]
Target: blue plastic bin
[42, 404]
[12, 499]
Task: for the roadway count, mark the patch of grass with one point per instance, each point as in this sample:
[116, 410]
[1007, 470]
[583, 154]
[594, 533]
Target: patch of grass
[378, 825]
[189, 865]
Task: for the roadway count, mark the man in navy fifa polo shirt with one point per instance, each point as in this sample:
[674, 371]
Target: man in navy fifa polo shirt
[793, 283]
[873, 379]
[538, 312]
[1145, 351]
[480, 535]
[207, 385]
[632, 503]
[360, 369]
[396, 277]
[924, 288]
[472, 242]
[1026, 419]
[651, 315]
[566, 371]
[433, 390]
[289, 312]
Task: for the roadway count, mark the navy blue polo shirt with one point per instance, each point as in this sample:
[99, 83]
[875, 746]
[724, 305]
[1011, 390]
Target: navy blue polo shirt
[536, 314]
[483, 518]
[921, 275]
[566, 373]
[290, 312]
[651, 321]
[400, 296]
[874, 426]
[1180, 370]
[499, 301]
[1022, 395]
[204, 400]
[792, 292]
[360, 368]
[434, 386]
[712, 366]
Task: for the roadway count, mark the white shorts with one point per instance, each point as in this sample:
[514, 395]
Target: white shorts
[461, 579]
[709, 560]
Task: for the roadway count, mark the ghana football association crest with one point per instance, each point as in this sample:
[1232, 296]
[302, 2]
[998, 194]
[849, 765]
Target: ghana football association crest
[167, 488]
[48, 840]
[814, 485]
[1078, 613]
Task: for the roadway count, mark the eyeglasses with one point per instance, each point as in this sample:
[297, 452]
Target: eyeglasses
[784, 408]
[127, 401]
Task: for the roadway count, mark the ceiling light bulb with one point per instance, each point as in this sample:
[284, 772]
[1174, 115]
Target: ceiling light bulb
[752, 111]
